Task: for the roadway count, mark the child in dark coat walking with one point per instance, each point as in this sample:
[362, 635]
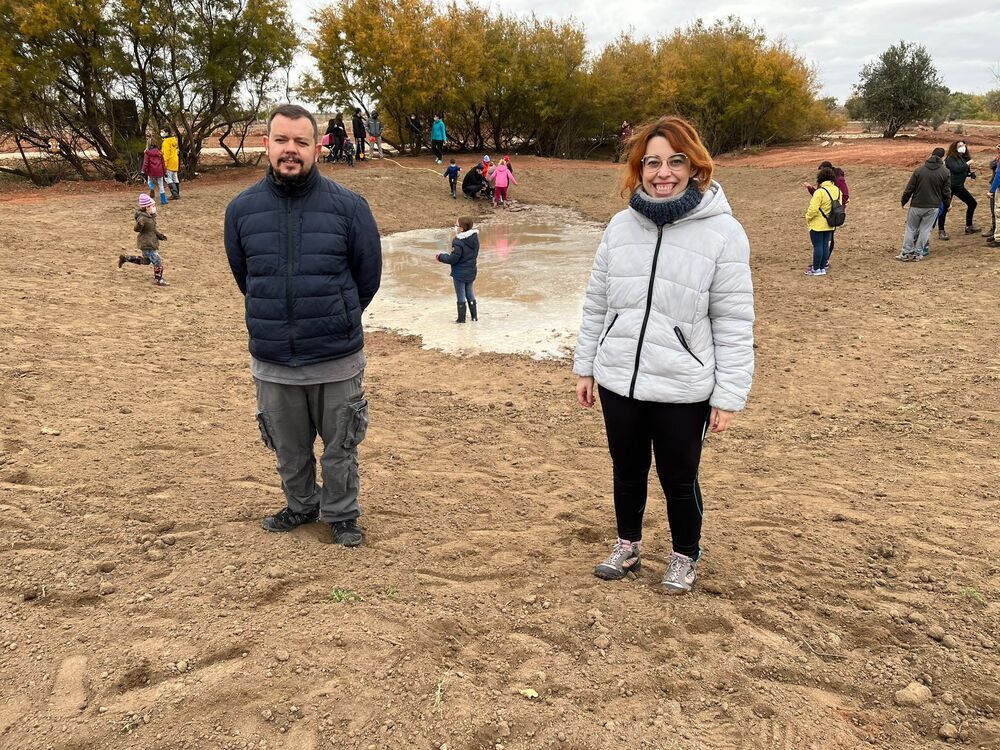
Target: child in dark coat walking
[452, 174]
[148, 240]
[462, 259]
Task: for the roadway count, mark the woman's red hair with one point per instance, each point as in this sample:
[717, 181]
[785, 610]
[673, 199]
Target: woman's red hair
[683, 137]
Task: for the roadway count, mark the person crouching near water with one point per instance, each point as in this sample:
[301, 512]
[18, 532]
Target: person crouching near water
[148, 240]
[667, 338]
[462, 259]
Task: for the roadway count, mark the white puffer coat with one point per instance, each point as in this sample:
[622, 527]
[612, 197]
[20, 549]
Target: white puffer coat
[689, 320]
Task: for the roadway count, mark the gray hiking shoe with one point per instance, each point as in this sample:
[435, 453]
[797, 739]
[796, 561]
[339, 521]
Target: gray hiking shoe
[624, 558]
[681, 574]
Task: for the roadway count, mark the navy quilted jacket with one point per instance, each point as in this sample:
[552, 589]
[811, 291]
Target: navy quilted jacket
[308, 259]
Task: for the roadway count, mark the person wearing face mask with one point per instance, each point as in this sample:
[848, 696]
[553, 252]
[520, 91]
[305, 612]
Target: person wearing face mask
[666, 338]
[305, 253]
[957, 160]
[171, 162]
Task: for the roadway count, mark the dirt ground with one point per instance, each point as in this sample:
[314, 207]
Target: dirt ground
[850, 537]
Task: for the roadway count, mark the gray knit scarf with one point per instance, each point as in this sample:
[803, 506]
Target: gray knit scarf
[667, 211]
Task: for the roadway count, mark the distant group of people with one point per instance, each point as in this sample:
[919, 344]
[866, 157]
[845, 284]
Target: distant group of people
[930, 191]
[488, 179]
[339, 145]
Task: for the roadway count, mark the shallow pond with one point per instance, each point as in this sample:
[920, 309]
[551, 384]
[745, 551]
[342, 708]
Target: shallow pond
[533, 269]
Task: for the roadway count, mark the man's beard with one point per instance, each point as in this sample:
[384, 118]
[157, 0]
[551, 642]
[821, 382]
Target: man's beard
[292, 180]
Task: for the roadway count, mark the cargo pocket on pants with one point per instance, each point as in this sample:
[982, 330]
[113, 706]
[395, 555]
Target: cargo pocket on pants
[357, 423]
[265, 435]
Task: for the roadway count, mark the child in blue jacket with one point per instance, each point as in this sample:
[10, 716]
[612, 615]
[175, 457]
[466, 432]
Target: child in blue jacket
[452, 174]
[462, 259]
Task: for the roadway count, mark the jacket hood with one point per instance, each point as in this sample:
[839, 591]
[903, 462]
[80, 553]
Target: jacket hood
[934, 162]
[469, 233]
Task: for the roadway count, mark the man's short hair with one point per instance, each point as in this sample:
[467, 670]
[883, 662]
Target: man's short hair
[293, 112]
[937, 152]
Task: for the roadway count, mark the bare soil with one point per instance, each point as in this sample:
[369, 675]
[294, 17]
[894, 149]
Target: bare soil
[850, 536]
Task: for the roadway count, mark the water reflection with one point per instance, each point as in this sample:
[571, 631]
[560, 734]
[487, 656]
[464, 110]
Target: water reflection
[533, 269]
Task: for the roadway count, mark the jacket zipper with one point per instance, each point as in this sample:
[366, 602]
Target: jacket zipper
[613, 321]
[649, 306]
[684, 343]
[288, 277]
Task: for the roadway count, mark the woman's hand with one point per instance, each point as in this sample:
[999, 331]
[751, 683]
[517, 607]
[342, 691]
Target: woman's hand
[585, 392]
[718, 421]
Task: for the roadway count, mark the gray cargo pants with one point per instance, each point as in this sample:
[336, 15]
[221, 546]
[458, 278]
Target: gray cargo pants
[919, 223]
[290, 417]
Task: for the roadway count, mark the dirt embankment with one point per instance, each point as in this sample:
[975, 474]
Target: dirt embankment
[850, 537]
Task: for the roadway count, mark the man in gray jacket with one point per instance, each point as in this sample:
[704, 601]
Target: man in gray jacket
[374, 128]
[928, 188]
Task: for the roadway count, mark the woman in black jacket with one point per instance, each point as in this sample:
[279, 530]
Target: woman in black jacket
[957, 161]
[462, 259]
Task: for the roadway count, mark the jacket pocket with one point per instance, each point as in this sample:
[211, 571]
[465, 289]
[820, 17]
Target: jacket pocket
[357, 423]
[684, 343]
[612, 325]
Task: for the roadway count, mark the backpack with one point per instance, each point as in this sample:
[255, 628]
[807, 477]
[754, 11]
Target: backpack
[837, 215]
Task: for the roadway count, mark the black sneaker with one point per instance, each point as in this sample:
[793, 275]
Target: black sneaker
[286, 520]
[347, 533]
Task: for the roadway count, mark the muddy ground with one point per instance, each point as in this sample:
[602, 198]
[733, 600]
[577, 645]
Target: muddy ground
[851, 541]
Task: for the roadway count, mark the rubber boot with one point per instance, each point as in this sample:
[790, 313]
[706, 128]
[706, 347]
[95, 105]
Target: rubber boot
[177, 190]
[158, 276]
[123, 259]
[174, 195]
[163, 199]
[461, 313]
[152, 193]
[473, 311]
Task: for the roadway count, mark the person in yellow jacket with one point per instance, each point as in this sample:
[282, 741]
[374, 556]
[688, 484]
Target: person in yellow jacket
[171, 160]
[820, 232]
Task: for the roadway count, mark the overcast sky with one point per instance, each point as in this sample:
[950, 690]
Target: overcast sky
[838, 38]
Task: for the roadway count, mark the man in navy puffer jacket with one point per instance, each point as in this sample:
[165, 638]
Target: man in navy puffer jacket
[307, 256]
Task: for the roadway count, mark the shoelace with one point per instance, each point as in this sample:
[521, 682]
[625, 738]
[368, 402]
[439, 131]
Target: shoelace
[621, 550]
[677, 569]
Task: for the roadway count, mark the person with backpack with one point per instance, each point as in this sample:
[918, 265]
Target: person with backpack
[824, 215]
[155, 169]
[958, 161]
[928, 188]
[841, 182]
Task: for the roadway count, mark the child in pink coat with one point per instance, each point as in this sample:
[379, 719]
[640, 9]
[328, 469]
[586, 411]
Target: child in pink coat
[501, 177]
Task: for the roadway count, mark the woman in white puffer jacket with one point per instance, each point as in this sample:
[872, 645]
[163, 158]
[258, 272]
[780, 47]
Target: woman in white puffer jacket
[667, 334]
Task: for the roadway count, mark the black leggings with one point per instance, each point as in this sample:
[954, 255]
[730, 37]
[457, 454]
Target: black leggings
[966, 197]
[675, 432]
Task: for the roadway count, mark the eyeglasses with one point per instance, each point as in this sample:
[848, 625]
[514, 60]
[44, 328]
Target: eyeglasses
[675, 162]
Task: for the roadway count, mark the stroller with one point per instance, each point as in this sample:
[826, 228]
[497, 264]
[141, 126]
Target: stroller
[343, 150]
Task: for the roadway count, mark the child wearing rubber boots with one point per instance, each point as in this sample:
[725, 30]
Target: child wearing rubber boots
[148, 240]
[462, 259]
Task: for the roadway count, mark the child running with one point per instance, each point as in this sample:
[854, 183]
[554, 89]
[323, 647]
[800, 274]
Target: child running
[501, 177]
[462, 259]
[452, 174]
[148, 240]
